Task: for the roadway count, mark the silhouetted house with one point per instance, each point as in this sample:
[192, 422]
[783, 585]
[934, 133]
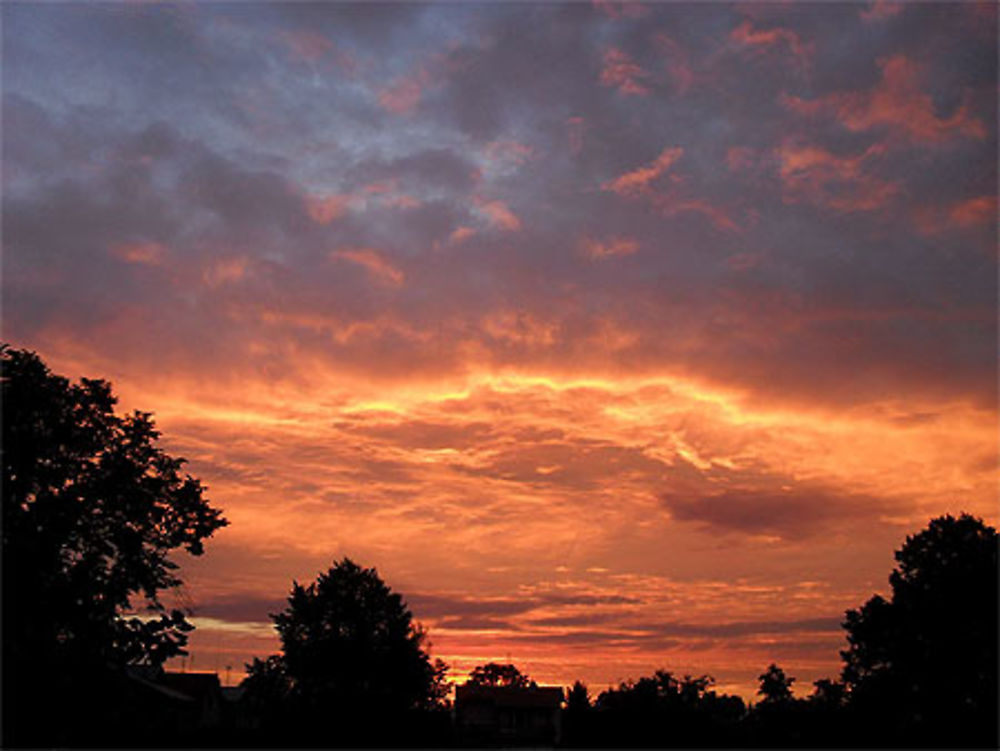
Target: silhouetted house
[145, 703]
[236, 713]
[204, 689]
[506, 716]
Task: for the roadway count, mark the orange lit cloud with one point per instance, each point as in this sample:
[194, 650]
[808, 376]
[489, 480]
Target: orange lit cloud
[499, 215]
[972, 212]
[511, 152]
[586, 482]
[145, 253]
[843, 183]
[225, 270]
[671, 206]
[610, 247]
[373, 262]
[610, 357]
[403, 94]
[323, 209]
[460, 235]
[638, 180]
[768, 40]
[678, 66]
[897, 103]
[880, 10]
[622, 72]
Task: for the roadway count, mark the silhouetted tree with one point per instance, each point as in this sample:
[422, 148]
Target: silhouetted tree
[578, 697]
[352, 652]
[775, 686]
[576, 726]
[923, 664]
[827, 693]
[495, 674]
[92, 509]
[661, 710]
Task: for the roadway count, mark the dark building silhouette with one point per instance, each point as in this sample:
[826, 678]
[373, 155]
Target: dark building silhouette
[507, 715]
[204, 689]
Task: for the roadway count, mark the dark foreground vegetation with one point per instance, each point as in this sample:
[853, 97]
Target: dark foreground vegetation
[92, 509]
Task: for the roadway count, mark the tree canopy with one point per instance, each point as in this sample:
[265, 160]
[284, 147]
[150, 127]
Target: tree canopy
[927, 657]
[92, 510]
[775, 686]
[349, 641]
[495, 674]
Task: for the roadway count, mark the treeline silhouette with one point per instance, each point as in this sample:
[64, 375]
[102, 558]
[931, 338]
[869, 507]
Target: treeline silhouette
[92, 509]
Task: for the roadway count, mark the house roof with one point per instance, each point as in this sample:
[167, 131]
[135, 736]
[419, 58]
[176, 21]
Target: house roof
[510, 696]
[195, 685]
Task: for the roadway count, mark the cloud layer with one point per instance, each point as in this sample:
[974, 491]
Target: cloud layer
[637, 331]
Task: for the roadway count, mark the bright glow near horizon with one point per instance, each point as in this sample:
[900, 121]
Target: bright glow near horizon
[616, 337]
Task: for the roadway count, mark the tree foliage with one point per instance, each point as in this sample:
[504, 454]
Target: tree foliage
[495, 674]
[928, 655]
[92, 510]
[349, 641]
[663, 710]
[775, 686]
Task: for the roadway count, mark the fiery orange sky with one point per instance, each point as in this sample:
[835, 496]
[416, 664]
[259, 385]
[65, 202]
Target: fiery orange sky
[616, 336]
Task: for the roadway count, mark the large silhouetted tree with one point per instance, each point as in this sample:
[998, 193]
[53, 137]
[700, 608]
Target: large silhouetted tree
[924, 662]
[352, 651]
[92, 510]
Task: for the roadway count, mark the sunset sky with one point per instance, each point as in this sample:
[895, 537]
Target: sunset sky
[616, 337]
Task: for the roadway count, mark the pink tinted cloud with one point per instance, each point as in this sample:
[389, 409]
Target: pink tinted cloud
[509, 152]
[671, 206]
[499, 215]
[304, 45]
[460, 235]
[617, 10]
[965, 214]
[402, 201]
[323, 209]
[609, 248]
[744, 261]
[814, 175]
[638, 180]
[403, 94]
[142, 253]
[307, 46]
[980, 210]
[897, 103]
[741, 159]
[622, 72]
[880, 10]
[373, 262]
[776, 39]
[225, 271]
[678, 65]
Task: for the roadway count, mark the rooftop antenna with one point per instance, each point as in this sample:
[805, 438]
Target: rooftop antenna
[228, 668]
